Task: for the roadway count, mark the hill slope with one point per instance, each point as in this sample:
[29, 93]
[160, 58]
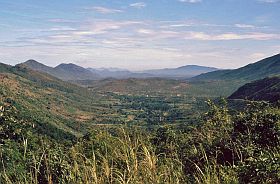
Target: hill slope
[261, 69]
[59, 109]
[64, 72]
[267, 89]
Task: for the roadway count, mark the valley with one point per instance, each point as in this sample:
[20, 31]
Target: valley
[139, 92]
[74, 106]
[182, 118]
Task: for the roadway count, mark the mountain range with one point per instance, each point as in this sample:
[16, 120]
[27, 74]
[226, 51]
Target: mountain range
[72, 72]
[181, 72]
[118, 73]
[256, 77]
[66, 72]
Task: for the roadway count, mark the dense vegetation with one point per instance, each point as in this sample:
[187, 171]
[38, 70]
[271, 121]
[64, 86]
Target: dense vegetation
[242, 147]
[267, 89]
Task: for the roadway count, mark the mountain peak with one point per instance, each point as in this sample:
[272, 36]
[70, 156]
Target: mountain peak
[35, 65]
[68, 66]
[31, 61]
[70, 71]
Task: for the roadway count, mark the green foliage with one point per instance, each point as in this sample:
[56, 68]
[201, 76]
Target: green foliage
[223, 148]
[267, 89]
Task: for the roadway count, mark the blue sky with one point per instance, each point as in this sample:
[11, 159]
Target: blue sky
[139, 34]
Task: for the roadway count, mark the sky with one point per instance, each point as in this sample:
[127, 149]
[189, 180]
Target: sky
[139, 35]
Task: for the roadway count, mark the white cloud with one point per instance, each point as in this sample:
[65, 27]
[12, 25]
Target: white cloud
[105, 26]
[244, 26]
[61, 21]
[269, 1]
[146, 31]
[104, 10]
[131, 44]
[62, 28]
[190, 1]
[230, 36]
[138, 5]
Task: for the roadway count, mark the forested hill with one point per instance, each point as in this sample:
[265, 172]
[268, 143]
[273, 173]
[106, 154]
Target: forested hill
[261, 69]
[267, 89]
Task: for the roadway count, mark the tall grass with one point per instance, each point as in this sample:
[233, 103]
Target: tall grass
[118, 159]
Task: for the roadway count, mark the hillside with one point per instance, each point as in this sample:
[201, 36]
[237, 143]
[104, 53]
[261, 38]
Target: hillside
[267, 89]
[261, 69]
[52, 103]
[64, 72]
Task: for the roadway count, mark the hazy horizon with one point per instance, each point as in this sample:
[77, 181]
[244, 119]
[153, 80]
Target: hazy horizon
[53, 66]
[139, 35]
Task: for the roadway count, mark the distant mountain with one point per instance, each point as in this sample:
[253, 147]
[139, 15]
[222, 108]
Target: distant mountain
[261, 69]
[111, 73]
[74, 72]
[118, 73]
[267, 89]
[169, 73]
[65, 72]
[112, 69]
[187, 71]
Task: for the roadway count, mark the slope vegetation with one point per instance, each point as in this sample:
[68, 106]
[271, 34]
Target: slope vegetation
[267, 89]
[54, 104]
